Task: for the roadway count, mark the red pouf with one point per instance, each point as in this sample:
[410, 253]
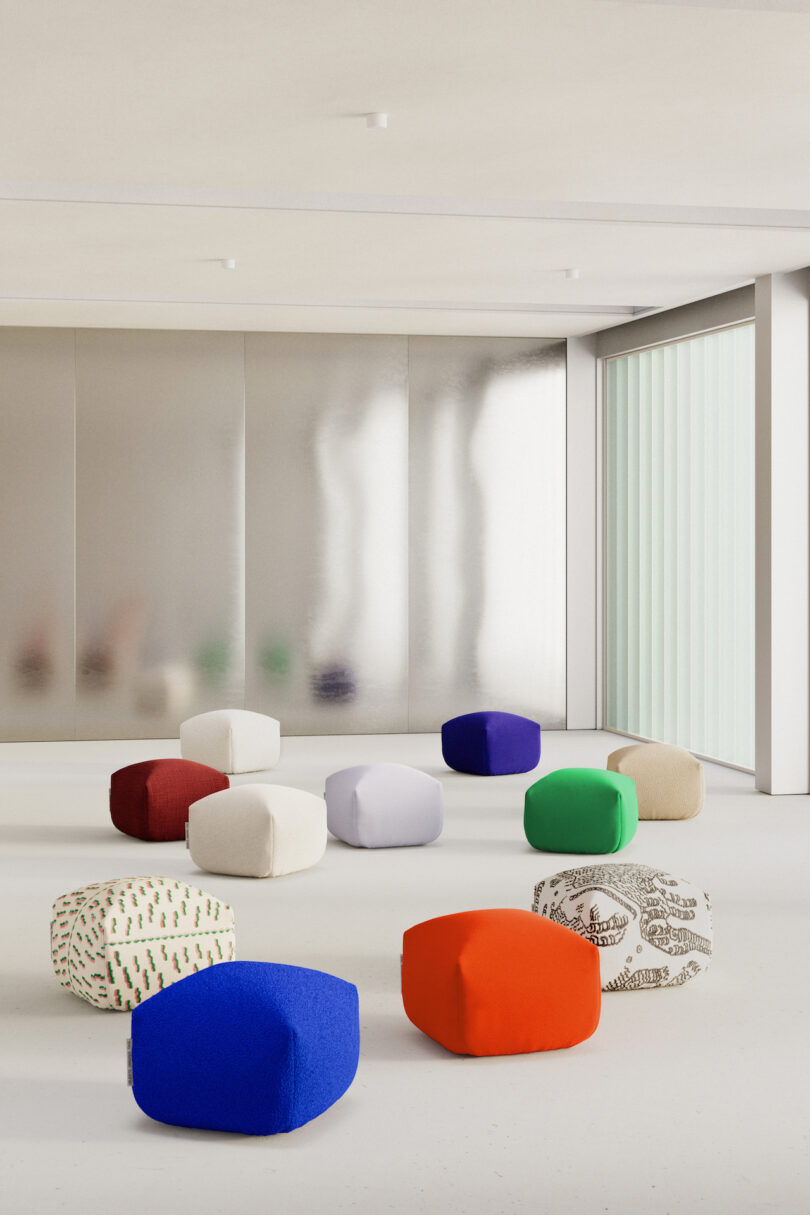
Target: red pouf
[150, 800]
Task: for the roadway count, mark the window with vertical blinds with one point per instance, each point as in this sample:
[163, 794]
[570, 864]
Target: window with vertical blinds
[679, 544]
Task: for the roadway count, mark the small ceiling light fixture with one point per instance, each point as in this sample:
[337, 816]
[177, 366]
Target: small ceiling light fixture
[376, 122]
[572, 272]
[228, 263]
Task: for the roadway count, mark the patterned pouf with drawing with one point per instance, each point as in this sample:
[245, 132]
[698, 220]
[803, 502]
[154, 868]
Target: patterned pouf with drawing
[116, 943]
[652, 929]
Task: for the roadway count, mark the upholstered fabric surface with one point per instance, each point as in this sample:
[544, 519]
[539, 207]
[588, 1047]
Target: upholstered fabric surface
[580, 810]
[491, 743]
[252, 1047]
[670, 782]
[257, 830]
[232, 740]
[116, 943]
[651, 929]
[150, 800]
[384, 806]
[488, 983]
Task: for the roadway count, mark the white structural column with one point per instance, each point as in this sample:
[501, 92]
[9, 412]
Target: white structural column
[582, 610]
[782, 534]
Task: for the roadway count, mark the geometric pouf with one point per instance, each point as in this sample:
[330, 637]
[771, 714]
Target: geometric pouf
[500, 982]
[651, 929]
[257, 831]
[150, 800]
[384, 806]
[669, 780]
[116, 943]
[580, 810]
[252, 1047]
[491, 743]
[232, 740]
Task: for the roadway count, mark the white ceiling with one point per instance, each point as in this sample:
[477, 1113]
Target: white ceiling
[658, 147]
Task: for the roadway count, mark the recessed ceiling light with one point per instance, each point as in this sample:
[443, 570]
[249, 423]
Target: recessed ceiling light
[376, 122]
[571, 272]
[228, 263]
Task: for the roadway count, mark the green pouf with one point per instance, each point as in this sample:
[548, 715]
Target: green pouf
[581, 810]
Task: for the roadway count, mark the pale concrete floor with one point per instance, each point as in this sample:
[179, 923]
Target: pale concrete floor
[688, 1100]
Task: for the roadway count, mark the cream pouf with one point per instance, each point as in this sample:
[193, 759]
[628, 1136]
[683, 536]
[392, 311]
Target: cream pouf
[384, 806]
[231, 740]
[651, 929]
[257, 830]
[669, 780]
[116, 943]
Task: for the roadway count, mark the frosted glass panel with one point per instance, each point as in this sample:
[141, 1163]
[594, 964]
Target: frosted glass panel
[327, 531]
[354, 533]
[36, 533]
[159, 529]
[679, 544]
[487, 528]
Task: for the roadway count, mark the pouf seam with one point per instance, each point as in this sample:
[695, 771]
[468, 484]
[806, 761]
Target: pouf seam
[210, 932]
[70, 963]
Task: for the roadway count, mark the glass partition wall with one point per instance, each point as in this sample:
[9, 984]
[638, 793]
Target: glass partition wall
[353, 533]
[679, 544]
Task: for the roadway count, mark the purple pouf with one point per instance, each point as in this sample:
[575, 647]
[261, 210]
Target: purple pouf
[491, 743]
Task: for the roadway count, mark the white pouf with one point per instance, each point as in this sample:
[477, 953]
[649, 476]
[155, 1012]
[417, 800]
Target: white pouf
[257, 830]
[384, 806]
[231, 740]
[652, 929]
[116, 943]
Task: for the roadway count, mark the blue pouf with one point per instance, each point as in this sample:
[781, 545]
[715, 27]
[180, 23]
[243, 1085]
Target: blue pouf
[491, 744]
[252, 1047]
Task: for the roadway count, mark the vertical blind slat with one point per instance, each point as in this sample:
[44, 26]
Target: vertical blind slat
[679, 542]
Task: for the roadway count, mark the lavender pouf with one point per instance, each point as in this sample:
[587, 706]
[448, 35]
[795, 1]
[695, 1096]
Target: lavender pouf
[384, 806]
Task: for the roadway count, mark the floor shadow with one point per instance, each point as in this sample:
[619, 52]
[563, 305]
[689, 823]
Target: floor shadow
[34, 996]
[735, 791]
[48, 834]
[301, 1138]
[37, 1112]
[391, 1038]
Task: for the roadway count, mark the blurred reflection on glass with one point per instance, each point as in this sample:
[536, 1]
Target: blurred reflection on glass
[396, 551]
[275, 661]
[165, 691]
[335, 684]
[107, 659]
[35, 665]
[215, 660]
[159, 529]
[487, 510]
[326, 528]
[36, 533]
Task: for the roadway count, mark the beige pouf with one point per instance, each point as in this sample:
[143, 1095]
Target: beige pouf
[669, 780]
[257, 830]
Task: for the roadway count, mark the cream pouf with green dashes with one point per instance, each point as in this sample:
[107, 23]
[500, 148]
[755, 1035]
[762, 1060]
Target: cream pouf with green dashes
[116, 943]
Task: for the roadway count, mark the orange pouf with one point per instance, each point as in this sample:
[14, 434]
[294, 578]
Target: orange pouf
[500, 982]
